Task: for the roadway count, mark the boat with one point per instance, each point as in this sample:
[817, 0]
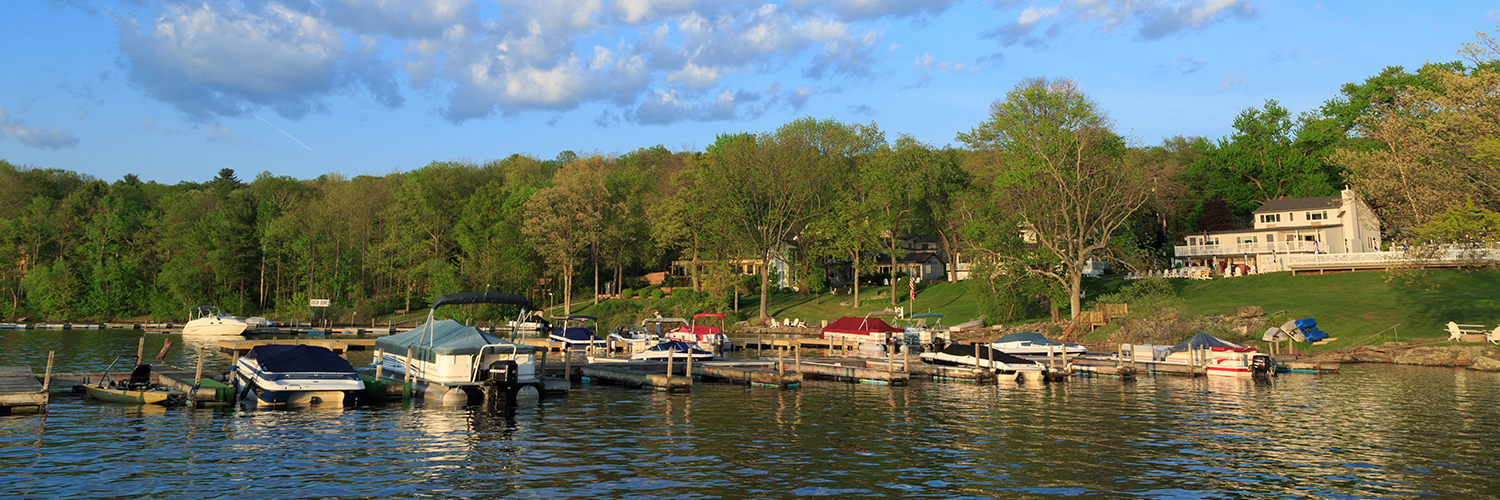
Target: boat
[673, 349]
[1219, 357]
[1035, 344]
[707, 337]
[207, 320]
[984, 356]
[867, 330]
[632, 337]
[295, 375]
[576, 332]
[455, 361]
[137, 389]
[921, 334]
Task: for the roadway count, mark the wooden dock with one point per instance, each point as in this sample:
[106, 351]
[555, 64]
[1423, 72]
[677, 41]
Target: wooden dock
[1309, 367]
[936, 372]
[768, 374]
[653, 375]
[19, 388]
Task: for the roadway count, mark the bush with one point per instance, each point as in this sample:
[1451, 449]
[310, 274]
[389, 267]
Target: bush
[656, 293]
[626, 293]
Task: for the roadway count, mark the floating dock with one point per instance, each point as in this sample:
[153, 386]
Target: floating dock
[653, 375]
[242, 347]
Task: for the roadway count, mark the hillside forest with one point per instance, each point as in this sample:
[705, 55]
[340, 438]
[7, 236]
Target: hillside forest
[1027, 196]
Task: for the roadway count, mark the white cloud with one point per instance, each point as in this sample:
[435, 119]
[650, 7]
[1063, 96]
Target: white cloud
[50, 138]
[1151, 19]
[646, 58]
[1493, 15]
[1231, 80]
[207, 61]
[220, 133]
[1183, 65]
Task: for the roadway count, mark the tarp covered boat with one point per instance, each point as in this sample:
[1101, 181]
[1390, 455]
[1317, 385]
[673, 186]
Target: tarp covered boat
[296, 375]
[1032, 343]
[864, 329]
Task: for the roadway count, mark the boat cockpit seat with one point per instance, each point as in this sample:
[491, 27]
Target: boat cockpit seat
[140, 377]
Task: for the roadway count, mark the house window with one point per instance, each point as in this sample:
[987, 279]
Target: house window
[1309, 238]
[1265, 218]
[1323, 215]
[1241, 240]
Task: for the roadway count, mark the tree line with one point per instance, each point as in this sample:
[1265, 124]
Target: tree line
[1026, 197]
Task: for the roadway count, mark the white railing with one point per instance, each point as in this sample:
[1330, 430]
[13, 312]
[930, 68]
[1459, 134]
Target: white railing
[1446, 256]
[1250, 248]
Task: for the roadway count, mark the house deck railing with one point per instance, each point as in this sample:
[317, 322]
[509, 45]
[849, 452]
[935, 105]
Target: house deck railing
[1250, 248]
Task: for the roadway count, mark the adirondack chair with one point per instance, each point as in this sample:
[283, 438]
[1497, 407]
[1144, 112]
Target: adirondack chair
[1456, 332]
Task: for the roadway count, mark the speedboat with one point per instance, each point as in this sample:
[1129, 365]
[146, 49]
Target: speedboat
[138, 389]
[577, 332]
[207, 320]
[633, 338]
[673, 349]
[295, 375]
[451, 360]
[707, 337]
[1035, 344]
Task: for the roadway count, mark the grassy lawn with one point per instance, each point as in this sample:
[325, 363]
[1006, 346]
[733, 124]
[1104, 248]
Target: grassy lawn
[954, 301]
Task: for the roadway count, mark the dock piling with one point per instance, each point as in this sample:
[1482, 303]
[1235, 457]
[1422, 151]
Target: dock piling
[47, 378]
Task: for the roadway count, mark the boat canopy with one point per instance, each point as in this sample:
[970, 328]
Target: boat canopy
[982, 351]
[448, 337]
[298, 359]
[861, 326]
[1204, 340]
[575, 333]
[480, 298]
[1033, 337]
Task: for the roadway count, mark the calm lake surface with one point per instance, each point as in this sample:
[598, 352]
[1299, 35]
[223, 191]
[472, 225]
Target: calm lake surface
[1374, 431]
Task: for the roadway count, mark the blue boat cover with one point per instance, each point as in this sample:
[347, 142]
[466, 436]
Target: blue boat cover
[677, 346]
[448, 337]
[1305, 323]
[575, 334]
[1204, 340]
[298, 359]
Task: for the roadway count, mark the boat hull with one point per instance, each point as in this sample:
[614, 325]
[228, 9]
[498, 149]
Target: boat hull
[457, 369]
[215, 326]
[124, 396]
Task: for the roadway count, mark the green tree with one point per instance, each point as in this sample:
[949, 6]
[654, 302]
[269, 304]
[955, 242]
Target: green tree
[1060, 169]
[562, 221]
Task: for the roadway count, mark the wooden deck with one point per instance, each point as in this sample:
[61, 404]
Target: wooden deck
[20, 388]
[242, 347]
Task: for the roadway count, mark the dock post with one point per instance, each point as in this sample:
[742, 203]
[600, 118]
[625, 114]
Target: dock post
[408, 365]
[781, 362]
[670, 358]
[689, 370]
[567, 365]
[799, 357]
[890, 360]
[1119, 358]
[379, 362]
[47, 378]
[140, 351]
[1051, 362]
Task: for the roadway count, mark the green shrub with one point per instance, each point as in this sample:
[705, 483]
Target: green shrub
[626, 293]
[657, 293]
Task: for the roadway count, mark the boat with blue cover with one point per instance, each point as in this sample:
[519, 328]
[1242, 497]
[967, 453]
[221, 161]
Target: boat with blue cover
[295, 375]
[577, 332]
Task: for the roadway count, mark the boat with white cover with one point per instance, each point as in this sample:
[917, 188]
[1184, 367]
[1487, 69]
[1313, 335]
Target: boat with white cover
[673, 349]
[984, 357]
[295, 375]
[1035, 344]
[207, 320]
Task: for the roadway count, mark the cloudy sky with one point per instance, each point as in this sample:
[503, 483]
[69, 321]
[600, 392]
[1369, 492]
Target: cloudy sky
[175, 90]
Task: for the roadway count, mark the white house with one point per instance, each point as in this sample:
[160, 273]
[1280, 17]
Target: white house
[1340, 224]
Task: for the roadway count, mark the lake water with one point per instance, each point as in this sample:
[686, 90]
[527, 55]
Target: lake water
[1374, 431]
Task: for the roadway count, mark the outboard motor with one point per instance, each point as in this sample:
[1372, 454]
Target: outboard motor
[503, 373]
[1260, 365]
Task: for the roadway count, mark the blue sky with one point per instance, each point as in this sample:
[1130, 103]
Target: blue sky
[174, 91]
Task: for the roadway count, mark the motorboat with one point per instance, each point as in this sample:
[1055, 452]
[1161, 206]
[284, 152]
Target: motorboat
[985, 357]
[207, 320]
[1035, 344]
[295, 375]
[1219, 357]
[453, 361]
[632, 337]
[925, 330]
[707, 337]
[577, 332]
[138, 389]
[673, 349]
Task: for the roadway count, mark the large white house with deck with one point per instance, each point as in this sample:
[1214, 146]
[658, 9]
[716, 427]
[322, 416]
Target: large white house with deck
[1287, 229]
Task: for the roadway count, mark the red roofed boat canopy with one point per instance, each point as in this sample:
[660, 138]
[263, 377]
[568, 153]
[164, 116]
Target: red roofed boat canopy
[864, 329]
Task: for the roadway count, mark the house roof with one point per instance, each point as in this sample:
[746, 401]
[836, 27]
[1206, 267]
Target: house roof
[1293, 204]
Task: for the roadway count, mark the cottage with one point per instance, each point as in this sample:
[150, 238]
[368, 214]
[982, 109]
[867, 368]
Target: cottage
[1340, 224]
